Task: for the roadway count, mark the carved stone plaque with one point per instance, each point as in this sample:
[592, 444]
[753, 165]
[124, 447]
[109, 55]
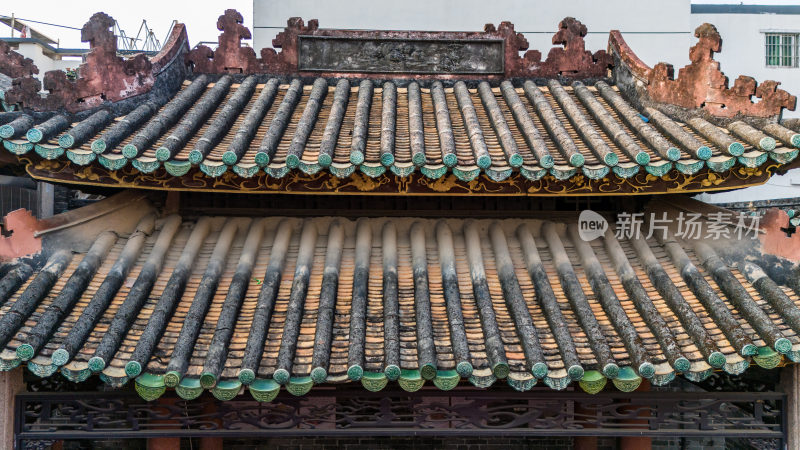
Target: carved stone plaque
[387, 55]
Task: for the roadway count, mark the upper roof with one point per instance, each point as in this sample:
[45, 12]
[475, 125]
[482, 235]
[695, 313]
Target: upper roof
[397, 112]
[219, 303]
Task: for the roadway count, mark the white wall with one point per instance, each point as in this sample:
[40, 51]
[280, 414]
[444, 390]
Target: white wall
[658, 30]
[44, 62]
[743, 50]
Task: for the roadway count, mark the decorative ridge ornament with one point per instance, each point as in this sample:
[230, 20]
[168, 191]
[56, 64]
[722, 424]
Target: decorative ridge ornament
[572, 61]
[103, 77]
[307, 50]
[15, 65]
[702, 84]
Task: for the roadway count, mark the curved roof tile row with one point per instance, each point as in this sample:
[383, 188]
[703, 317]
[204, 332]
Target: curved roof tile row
[249, 126]
[220, 303]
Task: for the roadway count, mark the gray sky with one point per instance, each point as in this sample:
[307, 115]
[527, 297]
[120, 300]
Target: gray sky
[200, 16]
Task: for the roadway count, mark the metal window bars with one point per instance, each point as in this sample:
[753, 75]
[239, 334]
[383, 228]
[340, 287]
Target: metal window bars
[781, 49]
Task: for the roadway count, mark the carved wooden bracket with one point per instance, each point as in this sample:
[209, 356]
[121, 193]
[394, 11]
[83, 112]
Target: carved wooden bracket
[398, 53]
[702, 85]
[103, 77]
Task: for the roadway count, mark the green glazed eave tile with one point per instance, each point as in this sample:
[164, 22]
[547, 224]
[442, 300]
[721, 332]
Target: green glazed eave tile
[766, 358]
[557, 383]
[595, 172]
[753, 159]
[9, 360]
[226, 390]
[299, 385]
[49, 152]
[402, 170]
[737, 367]
[660, 379]
[689, 166]
[146, 165]
[114, 381]
[246, 170]
[112, 162]
[658, 168]
[80, 157]
[626, 171]
[277, 171]
[699, 375]
[342, 170]
[150, 386]
[309, 168]
[466, 174]
[18, 147]
[498, 175]
[563, 172]
[213, 169]
[177, 168]
[433, 172]
[593, 381]
[410, 380]
[264, 390]
[482, 378]
[189, 388]
[42, 370]
[532, 173]
[76, 376]
[627, 381]
[446, 379]
[374, 381]
[721, 163]
[372, 170]
[783, 155]
[521, 382]
[794, 354]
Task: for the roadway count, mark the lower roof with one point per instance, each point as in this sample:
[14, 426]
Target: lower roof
[256, 303]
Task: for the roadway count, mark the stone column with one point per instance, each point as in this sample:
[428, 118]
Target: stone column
[10, 384]
[790, 384]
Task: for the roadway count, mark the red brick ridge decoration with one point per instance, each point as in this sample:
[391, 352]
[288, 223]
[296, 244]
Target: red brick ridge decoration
[104, 75]
[15, 65]
[774, 240]
[702, 85]
[572, 61]
[23, 242]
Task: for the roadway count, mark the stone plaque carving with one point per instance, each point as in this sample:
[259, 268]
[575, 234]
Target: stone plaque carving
[387, 55]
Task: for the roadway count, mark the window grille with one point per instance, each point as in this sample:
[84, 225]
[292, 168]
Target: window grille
[781, 49]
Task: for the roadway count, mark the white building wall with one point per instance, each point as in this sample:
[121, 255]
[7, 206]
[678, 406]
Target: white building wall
[658, 30]
[743, 50]
[44, 62]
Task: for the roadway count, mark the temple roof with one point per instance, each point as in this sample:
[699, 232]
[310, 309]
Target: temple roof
[222, 303]
[249, 130]
[475, 116]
